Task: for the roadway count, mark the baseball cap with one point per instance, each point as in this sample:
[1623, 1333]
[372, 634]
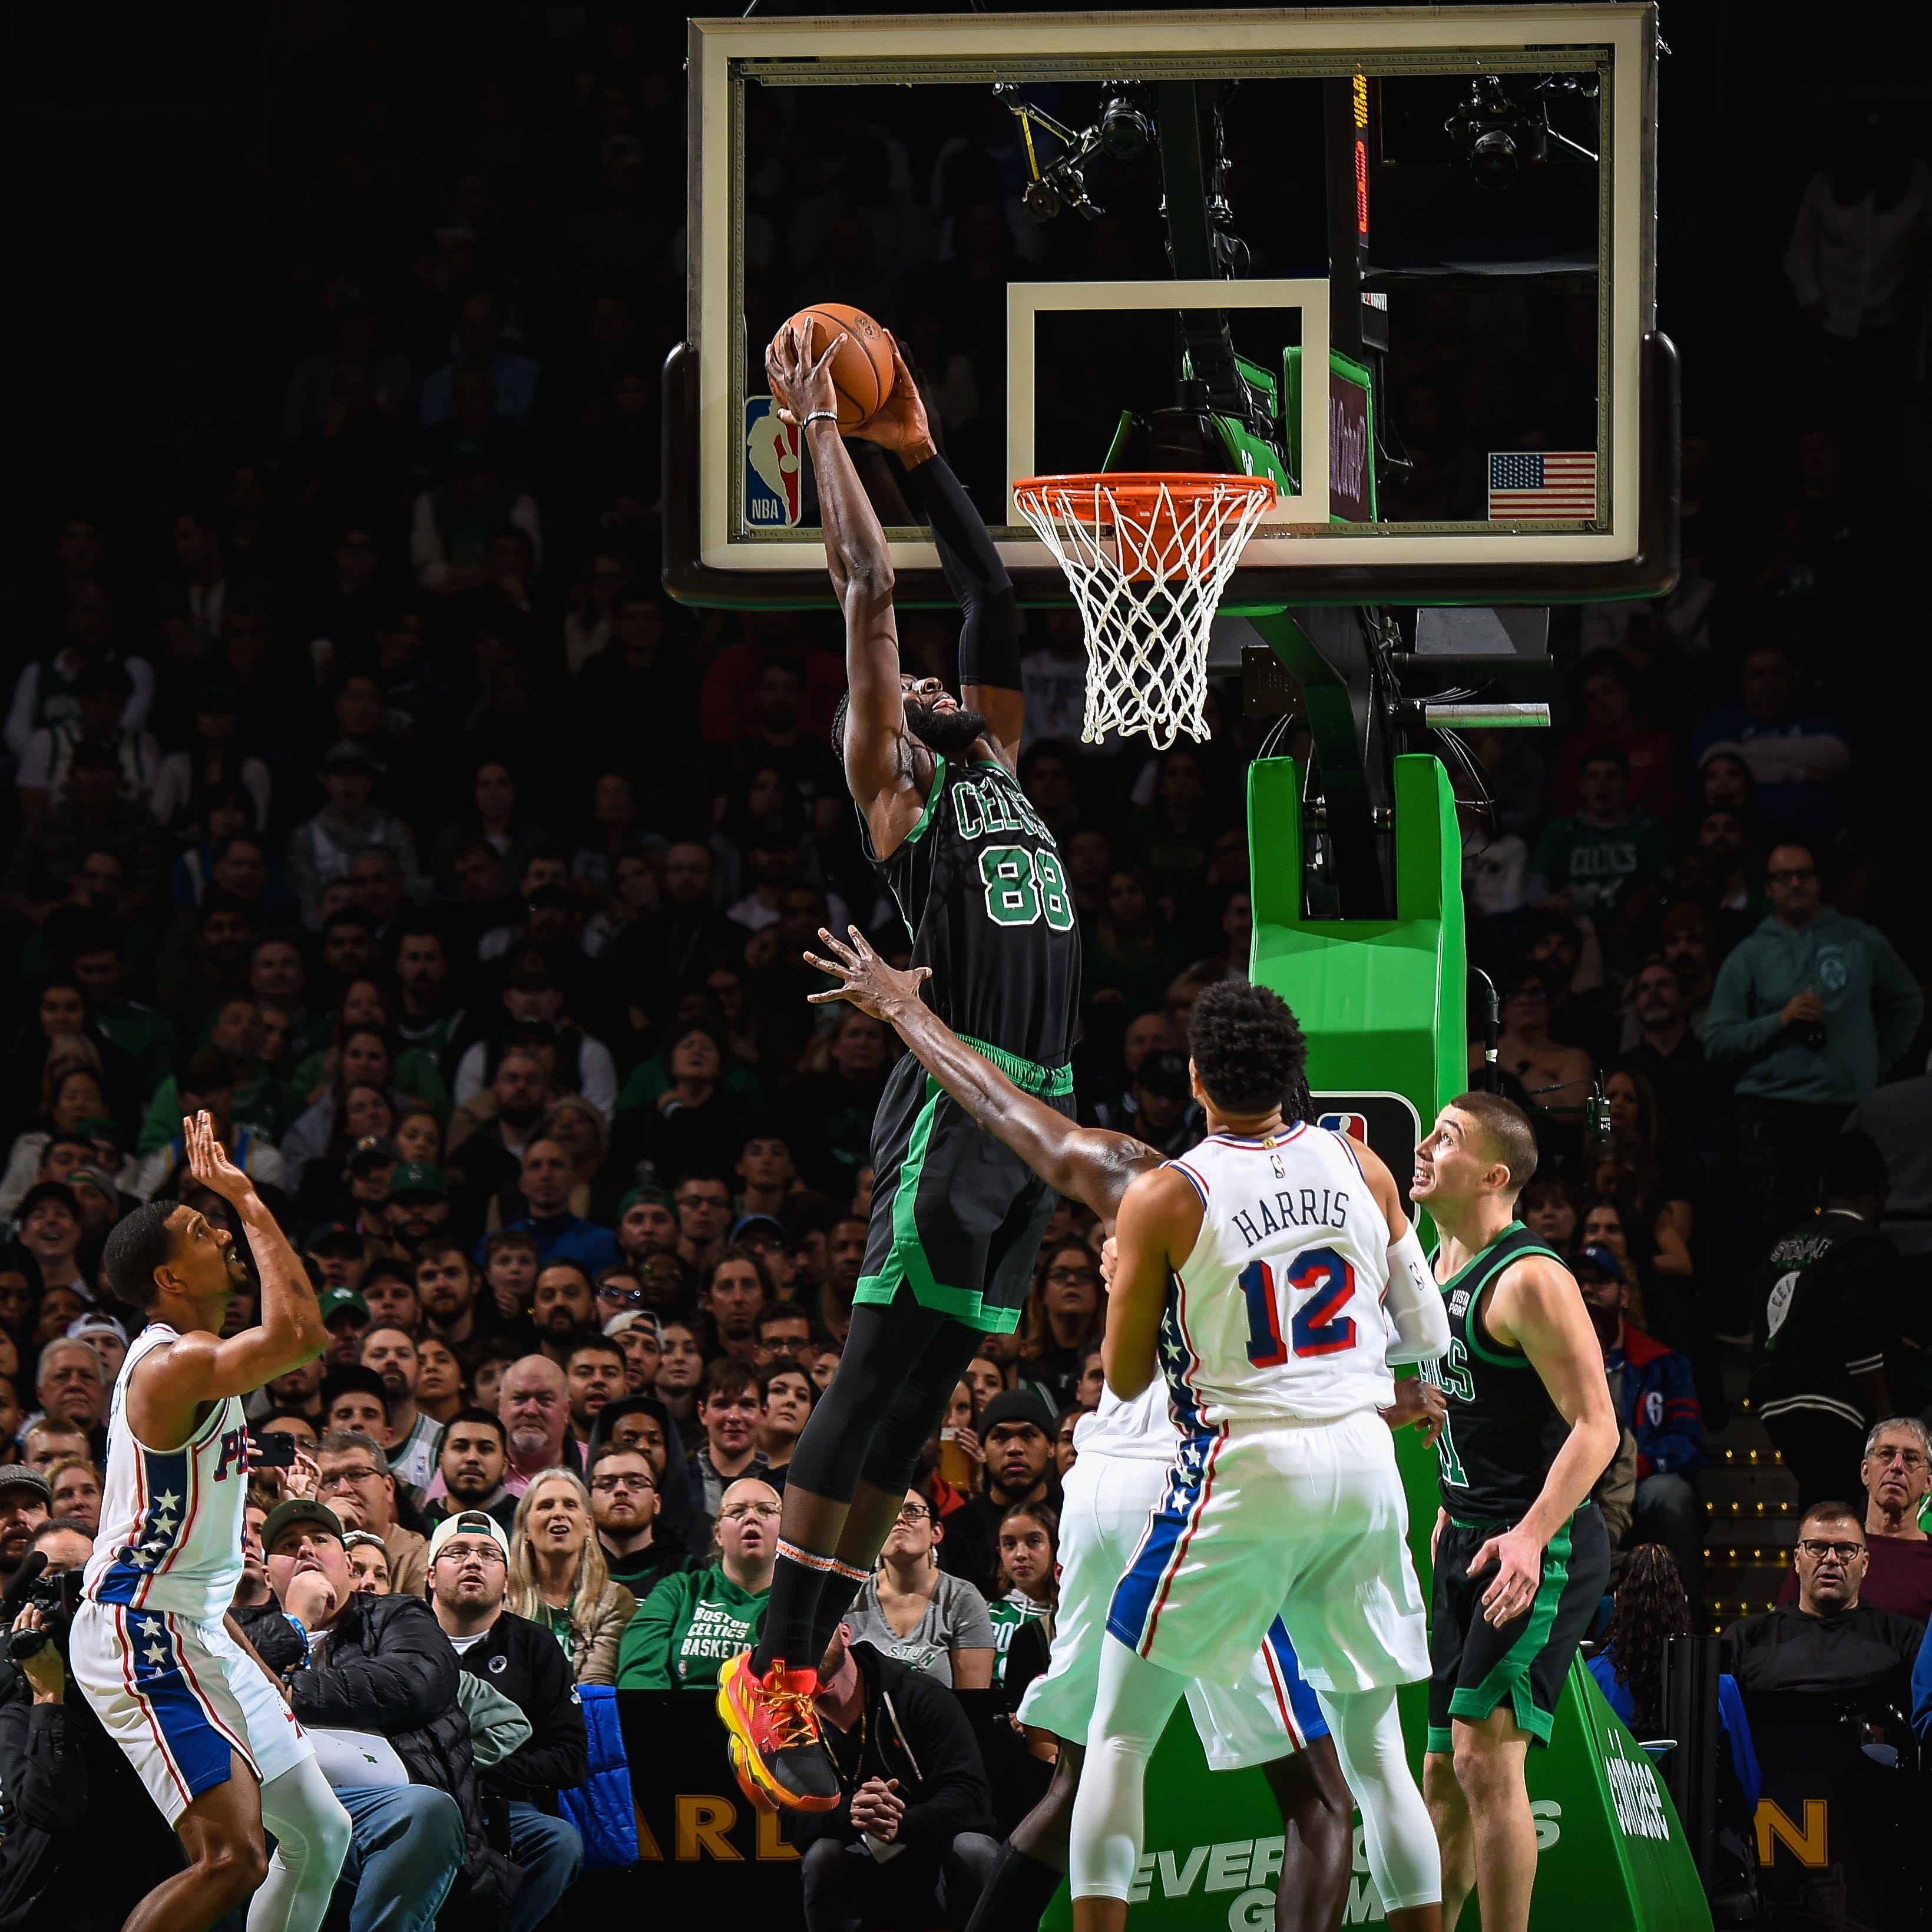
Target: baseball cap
[633, 1317]
[418, 1177]
[334, 1301]
[99, 1127]
[17, 1475]
[469, 1522]
[656, 1196]
[83, 1326]
[98, 1178]
[372, 1151]
[299, 1509]
[758, 1224]
[48, 1190]
[1165, 1074]
[1602, 1257]
[1015, 1405]
[332, 1234]
[345, 755]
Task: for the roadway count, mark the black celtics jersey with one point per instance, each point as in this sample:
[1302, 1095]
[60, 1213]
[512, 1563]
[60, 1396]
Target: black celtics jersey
[979, 884]
[1504, 1432]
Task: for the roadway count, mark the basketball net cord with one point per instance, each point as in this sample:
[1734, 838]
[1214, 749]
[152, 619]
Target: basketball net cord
[1147, 569]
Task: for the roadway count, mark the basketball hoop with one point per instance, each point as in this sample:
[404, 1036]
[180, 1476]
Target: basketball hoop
[1147, 558]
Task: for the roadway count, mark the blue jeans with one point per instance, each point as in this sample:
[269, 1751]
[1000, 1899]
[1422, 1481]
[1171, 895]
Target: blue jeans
[404, 1853]
[551, 1853]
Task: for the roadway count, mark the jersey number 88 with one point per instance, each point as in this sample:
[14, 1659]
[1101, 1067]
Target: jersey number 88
[1022, 885]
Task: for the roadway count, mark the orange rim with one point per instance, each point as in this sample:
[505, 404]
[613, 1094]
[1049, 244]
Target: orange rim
[1140, 489]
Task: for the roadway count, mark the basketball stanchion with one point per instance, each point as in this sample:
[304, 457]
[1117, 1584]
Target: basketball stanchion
[1147, 558]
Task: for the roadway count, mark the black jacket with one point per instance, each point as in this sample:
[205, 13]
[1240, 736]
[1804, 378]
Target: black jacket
[43, 1801]
[527, 1663]
[387, 1668]
[915, 1731]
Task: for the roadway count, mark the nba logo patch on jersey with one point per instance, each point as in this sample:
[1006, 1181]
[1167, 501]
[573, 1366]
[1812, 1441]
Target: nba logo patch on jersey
[1355, 1126]
[772, 467]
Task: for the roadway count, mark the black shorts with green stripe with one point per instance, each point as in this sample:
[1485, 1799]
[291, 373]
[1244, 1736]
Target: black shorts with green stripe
[957, 1216]
[1474, 1665]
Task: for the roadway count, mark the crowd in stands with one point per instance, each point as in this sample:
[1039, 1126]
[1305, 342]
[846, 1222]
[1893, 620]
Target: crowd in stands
[374, 798]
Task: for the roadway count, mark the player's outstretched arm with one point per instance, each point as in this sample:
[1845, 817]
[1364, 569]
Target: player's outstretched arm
[1537, 1306]
[876, 763]
[1088, 1164]
[290, 1332]
[1159, 1223]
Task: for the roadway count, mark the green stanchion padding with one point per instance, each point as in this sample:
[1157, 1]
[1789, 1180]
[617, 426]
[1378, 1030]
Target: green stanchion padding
[1382, 1003]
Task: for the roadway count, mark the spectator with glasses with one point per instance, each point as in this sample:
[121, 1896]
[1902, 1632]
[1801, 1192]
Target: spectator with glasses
[687, 1629]
[354, 1479]
[468, 1577]
[1896, 1472]
[1064, 1316]
[911, 1610]
[624, 1504]
[558, 1578]
[1829, 1642]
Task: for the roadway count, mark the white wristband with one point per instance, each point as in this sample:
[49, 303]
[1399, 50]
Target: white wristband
[820, 415]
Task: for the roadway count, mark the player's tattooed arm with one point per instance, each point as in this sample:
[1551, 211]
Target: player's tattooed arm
[1160, 1222]
[885, 775]
[1536, 1307]
[1086, 1164]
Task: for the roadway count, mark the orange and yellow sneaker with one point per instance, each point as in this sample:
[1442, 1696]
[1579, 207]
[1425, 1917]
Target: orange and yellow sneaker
[776, 1749]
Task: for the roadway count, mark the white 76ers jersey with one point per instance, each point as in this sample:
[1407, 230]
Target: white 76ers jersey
[1276, 1313]
[171, 1519]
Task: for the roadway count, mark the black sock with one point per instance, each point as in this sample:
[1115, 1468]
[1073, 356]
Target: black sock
[1017, 1895]
[836, 1590]
[797, 1577]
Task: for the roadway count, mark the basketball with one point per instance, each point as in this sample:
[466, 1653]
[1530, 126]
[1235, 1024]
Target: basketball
[862, 371]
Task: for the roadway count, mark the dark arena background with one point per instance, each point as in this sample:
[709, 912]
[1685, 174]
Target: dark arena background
[386, 771]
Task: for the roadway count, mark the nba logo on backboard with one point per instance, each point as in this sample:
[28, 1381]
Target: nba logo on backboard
[1355, 1126]
[771, 466]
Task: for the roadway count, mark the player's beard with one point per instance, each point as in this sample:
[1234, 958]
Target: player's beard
[948, 732]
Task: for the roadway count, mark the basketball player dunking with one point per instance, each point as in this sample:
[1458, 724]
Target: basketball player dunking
[154, 1649]
[1271, 1719]
[956, 1217]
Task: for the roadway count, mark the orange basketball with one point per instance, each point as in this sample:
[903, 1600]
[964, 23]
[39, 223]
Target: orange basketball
[862, 371]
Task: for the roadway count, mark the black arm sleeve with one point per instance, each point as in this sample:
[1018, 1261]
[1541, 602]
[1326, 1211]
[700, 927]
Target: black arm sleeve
[989, 642]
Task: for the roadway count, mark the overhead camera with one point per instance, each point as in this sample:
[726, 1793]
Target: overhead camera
[1126, 127]
[1492, 132]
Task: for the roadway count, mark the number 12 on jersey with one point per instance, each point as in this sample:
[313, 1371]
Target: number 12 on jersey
[1317, 1326]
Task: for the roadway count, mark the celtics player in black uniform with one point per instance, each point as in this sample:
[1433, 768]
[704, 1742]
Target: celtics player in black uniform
[1520, 1553]
[956, 1215]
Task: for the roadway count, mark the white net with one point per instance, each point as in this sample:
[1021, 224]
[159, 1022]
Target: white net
[1147, 558]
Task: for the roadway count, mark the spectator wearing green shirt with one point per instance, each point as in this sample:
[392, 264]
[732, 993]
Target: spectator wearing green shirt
[1583, 862]
[692, 1623]
[1812, 1011]
[1028, 1539]
[235, 1032]
[98, 957]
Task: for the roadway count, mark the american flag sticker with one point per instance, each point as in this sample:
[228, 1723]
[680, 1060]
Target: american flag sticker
[1542, 486]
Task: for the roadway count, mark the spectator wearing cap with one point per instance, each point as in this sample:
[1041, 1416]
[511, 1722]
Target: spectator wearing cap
[696, 1620]
[1656, 1399]
[321, 849]
[1897, 1475]
[1165, 1116]
[646, 1224]
[545, 1182]
[1016, 1432]
[469, 1576]
[105, 1335]
[391, 1351]
[471, 1461]
[532, 992]
[354, 1477]
[26, 1502]
[336, 1252]
[1808, 1014]
[50, 1229]
[637, 1332]
[372, 1680]
[418, 1204]
[206, 1084]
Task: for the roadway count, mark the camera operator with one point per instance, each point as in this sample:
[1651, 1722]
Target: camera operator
[60, 1774]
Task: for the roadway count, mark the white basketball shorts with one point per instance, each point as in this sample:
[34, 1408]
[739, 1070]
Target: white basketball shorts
[179, 1696]
[1306, 1521]
[1269, 1714]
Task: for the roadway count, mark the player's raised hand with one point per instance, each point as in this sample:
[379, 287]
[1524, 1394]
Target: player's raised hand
[1518, 1562]
[899, 422]
[208, 1161]
[801, 386]
[864, 978]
